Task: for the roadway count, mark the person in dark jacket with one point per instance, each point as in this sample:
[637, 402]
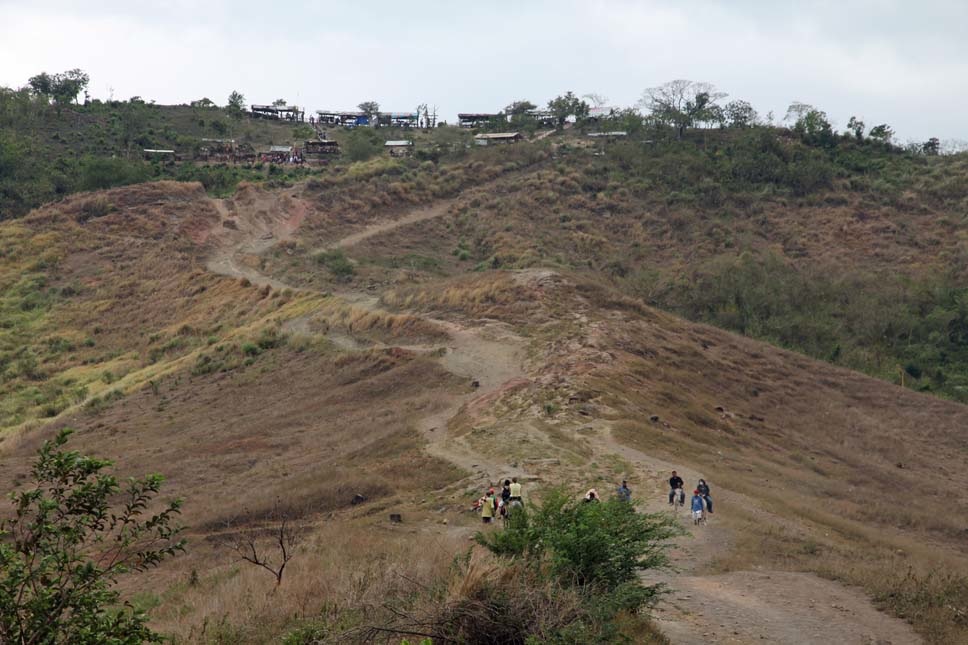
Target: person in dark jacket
[624, 492]
[703, 489]
[676, 484]
[506, 491]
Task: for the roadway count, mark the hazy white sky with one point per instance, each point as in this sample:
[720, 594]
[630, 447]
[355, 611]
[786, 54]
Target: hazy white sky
[900, 62]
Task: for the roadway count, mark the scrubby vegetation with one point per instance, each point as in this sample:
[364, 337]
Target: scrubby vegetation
[841, 246]
[74, 532]
[565, 572]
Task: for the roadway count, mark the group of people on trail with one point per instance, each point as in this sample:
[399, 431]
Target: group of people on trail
[491, 506]
[623, 493]
[701, 502]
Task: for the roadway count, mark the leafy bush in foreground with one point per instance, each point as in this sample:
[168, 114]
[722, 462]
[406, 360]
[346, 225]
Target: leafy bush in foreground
[66, 546]
[603, 544]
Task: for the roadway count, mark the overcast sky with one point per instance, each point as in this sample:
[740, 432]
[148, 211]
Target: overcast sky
[904, 63]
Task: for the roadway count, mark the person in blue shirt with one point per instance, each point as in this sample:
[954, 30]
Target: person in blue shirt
[697, 507]
[624, 492]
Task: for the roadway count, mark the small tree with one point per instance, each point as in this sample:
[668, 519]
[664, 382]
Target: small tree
[63, 88]
[931, 147]
[68, 85]
[64, 548]
[41, 85]
[369, 108]
[236, 101]
[279, 103]
[856, 126]
[680, 103]
[740, 114]
[284, 540]
[882, 133]
[814, 128]
[567, 105]
[518, 108]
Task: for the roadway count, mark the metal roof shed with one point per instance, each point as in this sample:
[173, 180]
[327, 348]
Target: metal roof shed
[497, 137]
[399, 148]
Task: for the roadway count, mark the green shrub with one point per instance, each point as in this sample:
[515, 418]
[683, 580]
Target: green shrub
[270, 338]
[251, 349]
[337, 262]
[97, 173]
[362, 144]
[603, 544]
[52, 590]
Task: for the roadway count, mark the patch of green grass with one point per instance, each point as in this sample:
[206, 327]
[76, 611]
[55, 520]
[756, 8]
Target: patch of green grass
[337, 263]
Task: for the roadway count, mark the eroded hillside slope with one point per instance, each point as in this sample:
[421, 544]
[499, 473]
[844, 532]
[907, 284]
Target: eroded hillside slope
[295, 346]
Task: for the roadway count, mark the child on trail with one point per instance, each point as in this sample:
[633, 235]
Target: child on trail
[697, 507]
[506, 491]
[489, 507]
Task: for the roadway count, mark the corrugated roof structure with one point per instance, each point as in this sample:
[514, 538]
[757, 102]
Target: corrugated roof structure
[498, 136]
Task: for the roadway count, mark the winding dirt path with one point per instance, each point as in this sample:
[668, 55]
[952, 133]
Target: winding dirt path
[490, 355]
[737, 608]
[419, 214]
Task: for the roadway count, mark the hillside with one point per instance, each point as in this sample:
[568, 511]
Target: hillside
[48, 152]
[412, 331]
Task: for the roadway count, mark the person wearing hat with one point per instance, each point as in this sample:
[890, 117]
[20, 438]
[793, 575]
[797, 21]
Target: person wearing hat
[624, 492]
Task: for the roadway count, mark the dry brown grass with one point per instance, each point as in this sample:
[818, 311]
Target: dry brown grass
[341, 577]
[829, 454]
[373, 324]
[495, 294]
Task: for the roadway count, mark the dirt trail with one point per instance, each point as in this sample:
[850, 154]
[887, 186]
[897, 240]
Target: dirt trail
[490, 355]
[419, 214]
[739, 607]
[249, 229]
[747, 606]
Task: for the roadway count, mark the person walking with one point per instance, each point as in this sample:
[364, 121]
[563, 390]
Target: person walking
[624, 492]
[489, 507]
[515, 489]
[697, 507]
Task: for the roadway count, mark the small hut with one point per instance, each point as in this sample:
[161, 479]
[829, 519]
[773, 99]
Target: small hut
[491, 138]
[400, 148]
